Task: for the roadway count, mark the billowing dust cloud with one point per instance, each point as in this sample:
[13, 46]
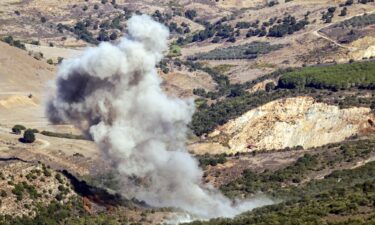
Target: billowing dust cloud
[113, 93]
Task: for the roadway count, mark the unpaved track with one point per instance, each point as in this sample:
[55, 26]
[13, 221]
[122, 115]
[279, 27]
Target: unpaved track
[318, 34]
[56, 152]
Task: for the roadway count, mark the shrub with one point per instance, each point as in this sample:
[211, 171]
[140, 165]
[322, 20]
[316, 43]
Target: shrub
[358, 21]
[334, 77]
[63, 135]
[113, 36]
[16, 43]
[3, 193]
[344, 11]
[289, 25]
[246, 51]
[191, 14]
[28, 136]
[18, 128]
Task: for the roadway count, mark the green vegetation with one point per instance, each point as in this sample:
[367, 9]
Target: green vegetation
[16, 43]
[63, 135]
[212, 160]
[287, 26]
[190, 14]
[21, 187]
[28, 136]
[208, 117]
[358, 21]
[71, 212]
[18, 128]
[327, 84]
[334, 77]
[322, 158]
[343, 197]
[246, 51]
[222, 81]
[174, 51]
[327, 16]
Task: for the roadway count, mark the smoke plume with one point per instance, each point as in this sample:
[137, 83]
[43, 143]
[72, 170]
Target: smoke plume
[113, 94]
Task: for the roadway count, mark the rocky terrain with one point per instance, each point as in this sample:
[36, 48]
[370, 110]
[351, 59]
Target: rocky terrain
[290, 123]
[284, 96]
[29, 185]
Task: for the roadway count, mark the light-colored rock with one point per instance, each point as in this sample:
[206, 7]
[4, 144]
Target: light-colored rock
[261, 85]
[365, 48]
[292, 122]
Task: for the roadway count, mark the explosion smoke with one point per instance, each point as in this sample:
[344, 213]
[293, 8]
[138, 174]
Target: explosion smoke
[113, 94]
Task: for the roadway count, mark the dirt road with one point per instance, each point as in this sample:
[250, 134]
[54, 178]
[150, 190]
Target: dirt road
[318, 34]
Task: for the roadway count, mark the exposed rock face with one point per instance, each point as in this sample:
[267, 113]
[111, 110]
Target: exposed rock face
[292, 122]
[365, 48]
[262, 85]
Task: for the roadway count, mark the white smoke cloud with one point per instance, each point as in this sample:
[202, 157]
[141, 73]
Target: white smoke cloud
[113, 93]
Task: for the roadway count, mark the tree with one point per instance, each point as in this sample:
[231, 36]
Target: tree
[18, 128]
[331, 9]
[113, 36]
[28, 136]
[343, 11]
[190, 14]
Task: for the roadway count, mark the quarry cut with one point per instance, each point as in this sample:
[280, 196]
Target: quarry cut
[291, 122]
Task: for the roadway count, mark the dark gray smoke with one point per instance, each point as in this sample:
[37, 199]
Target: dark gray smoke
[113, 94]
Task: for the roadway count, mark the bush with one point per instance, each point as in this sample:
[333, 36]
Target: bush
[344, 11]
[28, 136]
[63, 135]
[191, 14]
[3, 193]
[288, 26]
[16, 43]
[358, 21]
[18, 128]
[113, 36]
[246, 51]
[334, 77]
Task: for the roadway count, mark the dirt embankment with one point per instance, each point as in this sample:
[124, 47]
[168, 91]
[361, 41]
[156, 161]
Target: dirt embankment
[291, 122]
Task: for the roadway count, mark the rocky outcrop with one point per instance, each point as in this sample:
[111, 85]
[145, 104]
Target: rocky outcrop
[261, 85]
[364, 48]
[293, 122]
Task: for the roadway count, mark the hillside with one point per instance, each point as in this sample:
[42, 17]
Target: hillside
[261, 111]
[288, 123]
